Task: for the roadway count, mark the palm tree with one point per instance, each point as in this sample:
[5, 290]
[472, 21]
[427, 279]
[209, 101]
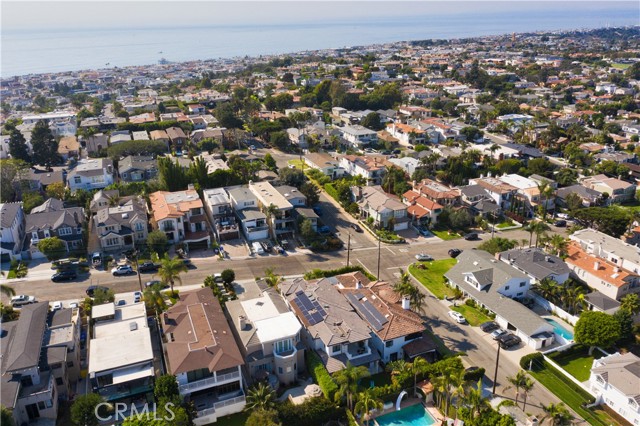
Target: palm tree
[474, 399]
[559, 245]
[367, 402]
[170, 270]
[270, 212]
[540, 228]
[271, 278]
[558, 414]
[526, 385]
[260, 397]
[440, 386]
[530, 228]
[347, 380]
[405, 289]
[523, 242]
[154, 299]
[547, 288]
[572, 298]
[630, 303]
[517, 381]
[7, 290]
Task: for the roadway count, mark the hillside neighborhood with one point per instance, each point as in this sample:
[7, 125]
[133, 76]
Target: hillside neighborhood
[330, 237]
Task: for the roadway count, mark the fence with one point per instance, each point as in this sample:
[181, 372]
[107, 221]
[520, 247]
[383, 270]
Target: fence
[571, 319]
[567, 375]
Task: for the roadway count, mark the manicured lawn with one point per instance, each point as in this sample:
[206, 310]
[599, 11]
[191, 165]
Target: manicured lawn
[445, 235]
[432, 277]
[572, 395]
[576, 361]
[505, 224]
[620, 66]
[298, 164]
[238, 419]
[473, 316]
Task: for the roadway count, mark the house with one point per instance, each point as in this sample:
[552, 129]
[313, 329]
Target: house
[407, 164]
[141, 135]
[89, 174]
[332, 327]
[358, 136]
[68, 147]
[406, 134]
[122, 226]
[619, 190]
[180, 215]
[160, 135]
[601, 274]
[177, 136]
[40, 362]
[385, 210]
[421, 210]
[196, 109]
[588, 196]
[268, 335]
[218, 134]
[437, 192]
[217, 204]
[392, 322]
[252, 220]
[292, 195]
[127, 374]
[501, 192]
[39, 180]
[282, 219]
[371, 168]
[537, 264]
[310, 215]
[609, 248]
[493, 285]
[479, 201]
[298, 137]
[13, 231]
[530, 192]
[138, 168]
[328, 165]
[119, 136]
[201, 352]
[597, 301]
[52, 221]
[615, 381]
[96, 143]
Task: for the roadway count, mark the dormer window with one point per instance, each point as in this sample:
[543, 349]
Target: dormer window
[600, 380]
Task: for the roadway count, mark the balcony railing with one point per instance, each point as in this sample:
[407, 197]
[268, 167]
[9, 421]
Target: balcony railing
[219, 405]
[208, 382]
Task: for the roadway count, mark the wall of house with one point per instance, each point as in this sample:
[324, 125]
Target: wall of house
[47, 401]
[517, 287]
[596, 283]
[616, 400]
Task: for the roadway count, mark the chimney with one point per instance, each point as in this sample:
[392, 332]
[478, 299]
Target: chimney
[616, 269]
[547, 259]
[358, 284]
[596, 265]
[413, 184]
[406, 303]
[242, 322]
[190, 187]
[497, 255]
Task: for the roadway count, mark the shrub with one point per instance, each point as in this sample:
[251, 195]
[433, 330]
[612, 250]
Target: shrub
[319, 273]
[320, 374]
[314, 411]
[536, 357]
[475, 375]
[470, 302]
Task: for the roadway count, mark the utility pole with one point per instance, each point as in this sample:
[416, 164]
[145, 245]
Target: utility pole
[138, 271]
[378, 276]
[348, 248]
[493, 228]
[495, 375]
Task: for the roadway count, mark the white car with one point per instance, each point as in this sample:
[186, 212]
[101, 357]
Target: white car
[499, 332]
[21, 300]
[424, 256]
[137, 297]
[56, 306]
[457, 316]
[122, 270]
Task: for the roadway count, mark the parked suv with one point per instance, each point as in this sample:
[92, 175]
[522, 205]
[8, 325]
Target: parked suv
[510, 341]
[65, 275]
[148, 267]
[122, 270]
[92, 289]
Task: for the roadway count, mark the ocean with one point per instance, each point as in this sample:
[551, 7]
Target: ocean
[32, 52]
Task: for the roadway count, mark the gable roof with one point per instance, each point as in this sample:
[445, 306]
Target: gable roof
[51, 205]
[535, 262]
[8, 213]
[622, 372]
[71, 217]
[23, 349]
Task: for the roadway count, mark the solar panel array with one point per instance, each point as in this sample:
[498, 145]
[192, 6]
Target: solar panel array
[367, 310]
[311, 309]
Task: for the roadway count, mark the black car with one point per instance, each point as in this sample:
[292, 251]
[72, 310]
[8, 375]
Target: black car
[560, 223]
[489, 326]
[356, 227]
[510, 341]
[454, 252]
[92, 289]
[66, 275]
[148, 267]
[471, 236]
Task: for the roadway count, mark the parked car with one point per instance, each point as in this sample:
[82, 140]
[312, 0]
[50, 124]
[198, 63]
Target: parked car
[92, 289]
[122, 270]
[497, 333]
[74, 305]
[66, 275]
[155, 282]
[510, 341]
[324, 229]
[424, 257]
[257, 248]
[317, 210]
[489, 326]
[560, 223]
[96, 259]
[137, 297]
[148, 267]
[424, 232]
[356, 227]
[217, 278]
[454, 252]
[457, 316]
[56, 306]
[472, 236]
[21, 300]
[121, 302]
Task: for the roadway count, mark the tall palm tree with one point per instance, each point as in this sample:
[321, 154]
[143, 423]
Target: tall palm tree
[367, 402]
[572, 299]
[271, 278]
[270, 212]
[260, 397]
[7, 290]
[540, 228]
[170, 270]
[347, 380]
[517, 381]
[403, 369]
[154, 299]
[559, 244]
[547, 288]
[530, 228]
[526, 385]
[558, 414]
[474, 399]
[542, 191]
[440, 386]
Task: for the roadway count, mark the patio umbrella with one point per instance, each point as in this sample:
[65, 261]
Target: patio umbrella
[313, 390]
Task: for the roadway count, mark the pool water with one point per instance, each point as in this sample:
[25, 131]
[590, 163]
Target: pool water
[559, 329]
[415, 415]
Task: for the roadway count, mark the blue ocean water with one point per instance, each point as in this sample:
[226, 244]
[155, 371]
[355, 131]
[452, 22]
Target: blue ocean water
[25, 52]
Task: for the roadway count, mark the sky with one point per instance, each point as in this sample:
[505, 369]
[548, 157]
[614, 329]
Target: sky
[50, 15]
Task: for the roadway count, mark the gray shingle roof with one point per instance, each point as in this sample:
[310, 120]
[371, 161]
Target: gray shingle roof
[23, 349]
[72, 217]
[8, 212]
[535, 262]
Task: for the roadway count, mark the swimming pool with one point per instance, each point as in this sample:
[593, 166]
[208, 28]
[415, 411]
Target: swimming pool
[415, 415]
[559, 329]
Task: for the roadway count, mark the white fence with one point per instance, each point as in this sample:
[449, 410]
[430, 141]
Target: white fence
[571, 319]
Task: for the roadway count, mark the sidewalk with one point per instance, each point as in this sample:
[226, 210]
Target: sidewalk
[39, 269]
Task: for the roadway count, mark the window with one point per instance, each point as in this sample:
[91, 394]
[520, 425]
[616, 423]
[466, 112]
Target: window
[506, 288]
[335, 349]
[64, 231]
[284, 346]
[389, 343]
[59, 381]
[195, 375]
[523, 283]
[69, 364]
[41, 405]
[77, 180]
[520, 293]
[105, 380]
[139, 226]
[280, 371]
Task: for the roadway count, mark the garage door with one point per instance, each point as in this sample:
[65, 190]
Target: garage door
[199, 245]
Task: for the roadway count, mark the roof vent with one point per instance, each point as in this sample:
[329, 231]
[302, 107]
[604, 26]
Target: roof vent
[125, 215]
[133, 326]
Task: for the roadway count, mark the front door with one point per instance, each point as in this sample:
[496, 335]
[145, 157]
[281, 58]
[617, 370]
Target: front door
[32, 411]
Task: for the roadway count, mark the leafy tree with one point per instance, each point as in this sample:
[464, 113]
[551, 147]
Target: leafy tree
[306, 229]
[226, 116]
[471, 133]
[45, 146]
[611, 168]
[171, 175]
[53, 248]
[170, 270]
[56, 190]
[566, 177]
[126, 148]
[18, 146]
[372, 121]
[311, 191]
[279, 139]
[611, 221]
[630, 303]
[101, 296]
[166, 387]
[293, 177]
[6, 418]
[228, 276]
[263, 418]
[270, 162]
[573, 202]
[626, 324]
[31, 200]
[260, 397]
[498, 244]
[198, 174]
[83, 409]
[596, 329]
[157, 242]
[540, 166]
[208, 145]
[11, 172]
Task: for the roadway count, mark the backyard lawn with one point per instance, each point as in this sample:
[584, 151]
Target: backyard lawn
[445, 235]
[432, 277]
[576, 361]
[473, 316]
[238, 419]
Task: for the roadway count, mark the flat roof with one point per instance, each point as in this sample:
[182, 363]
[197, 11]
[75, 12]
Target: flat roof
[104, 310]
[277, 327]
[260, 308]
[268, 195]
[123, 348]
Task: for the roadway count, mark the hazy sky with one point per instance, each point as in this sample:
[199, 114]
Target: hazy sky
[140, 13]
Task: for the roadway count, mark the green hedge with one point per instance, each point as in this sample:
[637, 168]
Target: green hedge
[320, 374]
[319, 273]
[475, 375]
[331, 190]
[536, 357]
